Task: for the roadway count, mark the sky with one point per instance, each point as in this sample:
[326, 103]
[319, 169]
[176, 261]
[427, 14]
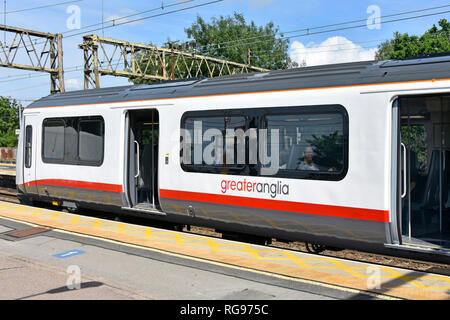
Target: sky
[315, 29]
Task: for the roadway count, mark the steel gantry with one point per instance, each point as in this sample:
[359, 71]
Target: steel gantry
[139, 61]
[34, 51]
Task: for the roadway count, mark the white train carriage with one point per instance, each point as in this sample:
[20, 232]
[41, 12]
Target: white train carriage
[350, 155]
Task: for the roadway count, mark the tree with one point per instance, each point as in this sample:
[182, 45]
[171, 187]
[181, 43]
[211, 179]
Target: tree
[328, 150]
[9, 122]
[228, 38]
[404, 46]
[231, 38]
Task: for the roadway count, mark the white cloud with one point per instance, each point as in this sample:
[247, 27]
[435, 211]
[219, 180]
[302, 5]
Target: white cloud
[73, 84]
[332, 50]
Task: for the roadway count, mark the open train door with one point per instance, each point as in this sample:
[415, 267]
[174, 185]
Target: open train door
[423, 171]
[143, 146]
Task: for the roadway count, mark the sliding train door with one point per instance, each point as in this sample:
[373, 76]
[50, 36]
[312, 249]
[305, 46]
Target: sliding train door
[30, 124]
[143, 159]
[424, 175]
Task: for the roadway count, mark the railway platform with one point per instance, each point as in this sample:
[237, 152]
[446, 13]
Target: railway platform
[7, 175]
[290, 269]
[7, 169]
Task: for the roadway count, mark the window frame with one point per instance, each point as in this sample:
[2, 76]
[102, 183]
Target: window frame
[76, 121]
[49, 160]
[259, 117]
[218, 169]
[311, 110]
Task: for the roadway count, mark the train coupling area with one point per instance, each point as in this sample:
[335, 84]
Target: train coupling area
[329, 273]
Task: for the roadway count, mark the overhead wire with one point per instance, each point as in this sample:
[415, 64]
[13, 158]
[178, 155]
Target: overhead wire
[308, 30]
[347, 47]
[149, 17]
[332, 30]
[113, 20]
[135, 14]
[40, 7]
[125, 22]
[287, 37]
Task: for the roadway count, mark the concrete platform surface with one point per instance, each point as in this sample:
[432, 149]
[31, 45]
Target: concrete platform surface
[324, 277]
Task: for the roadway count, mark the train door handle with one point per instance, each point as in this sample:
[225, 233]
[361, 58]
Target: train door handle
[404, 170]
[137, 158]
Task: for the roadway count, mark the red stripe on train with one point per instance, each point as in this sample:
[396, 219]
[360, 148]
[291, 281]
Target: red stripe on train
[281, 205]
[76, 184]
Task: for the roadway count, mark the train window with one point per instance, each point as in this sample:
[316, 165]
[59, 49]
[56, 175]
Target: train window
[299, 142]
[307, 145]
[28, 145]
[53, 140]
[206, 146]
[70, 140]
[90, 146]
[73, 140]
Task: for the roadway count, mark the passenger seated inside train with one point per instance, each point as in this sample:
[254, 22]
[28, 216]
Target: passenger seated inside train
[298, 158]
[307, 163]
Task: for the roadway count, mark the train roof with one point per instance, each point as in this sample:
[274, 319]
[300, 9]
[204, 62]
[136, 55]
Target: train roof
[335, 75]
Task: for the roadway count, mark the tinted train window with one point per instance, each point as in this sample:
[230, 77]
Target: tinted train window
[53, 140]
[309, 142]
[90, 140]
[213, 149]
[70, 140]
[73, 140]
[307, 145]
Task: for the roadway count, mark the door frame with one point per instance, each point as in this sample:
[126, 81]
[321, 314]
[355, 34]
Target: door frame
[29, 174]
[396, 181]
[400, 183]
[131, 163]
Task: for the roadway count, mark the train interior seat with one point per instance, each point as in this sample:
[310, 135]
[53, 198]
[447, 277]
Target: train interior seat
[426, 207]
[431, 194]
[146, 164]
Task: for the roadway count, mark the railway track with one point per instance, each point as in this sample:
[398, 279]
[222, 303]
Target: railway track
[10, 195]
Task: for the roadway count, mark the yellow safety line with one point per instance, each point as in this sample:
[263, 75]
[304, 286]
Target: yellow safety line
[7, 164]
[10, 172]
[238, 248]
[275, 275]
[221, 264]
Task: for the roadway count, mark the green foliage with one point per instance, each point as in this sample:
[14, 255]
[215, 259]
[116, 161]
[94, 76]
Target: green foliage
[220, 39]
[415, 137]
[328, 150]
[9, 122]
[404, 46]
[8, 139]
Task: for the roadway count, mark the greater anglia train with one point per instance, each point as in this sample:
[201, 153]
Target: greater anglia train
[353, 155]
